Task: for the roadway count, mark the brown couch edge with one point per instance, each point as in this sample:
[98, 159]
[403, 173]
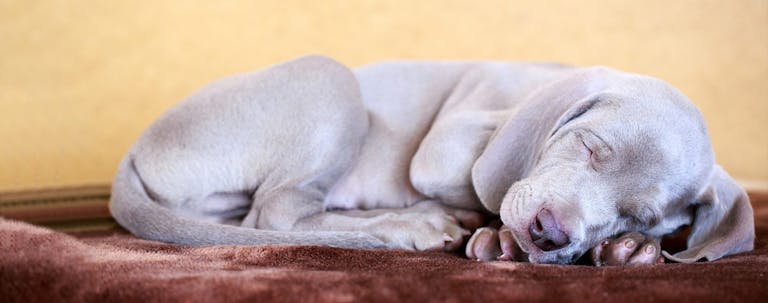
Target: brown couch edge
[70, 208]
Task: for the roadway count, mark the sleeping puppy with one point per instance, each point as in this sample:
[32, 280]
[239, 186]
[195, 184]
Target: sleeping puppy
[411, 155]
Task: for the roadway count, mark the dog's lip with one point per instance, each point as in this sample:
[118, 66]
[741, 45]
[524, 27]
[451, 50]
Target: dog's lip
[562, 255]
[523, 240]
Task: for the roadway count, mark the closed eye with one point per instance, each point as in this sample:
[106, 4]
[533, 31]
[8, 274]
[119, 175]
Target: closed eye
[590, 155]
[589, 150]
[595, 148]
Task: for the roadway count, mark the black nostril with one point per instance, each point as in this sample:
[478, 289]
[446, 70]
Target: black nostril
[546, 233]
[538, 226]
[536, 229]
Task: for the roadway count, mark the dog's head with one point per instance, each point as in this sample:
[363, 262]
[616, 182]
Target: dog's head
[599, 153]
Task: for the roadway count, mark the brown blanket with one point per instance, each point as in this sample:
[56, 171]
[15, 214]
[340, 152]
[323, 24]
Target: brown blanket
[40, 265]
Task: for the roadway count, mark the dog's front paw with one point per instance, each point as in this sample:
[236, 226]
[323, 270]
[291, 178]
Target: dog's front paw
[632, 248]
[492, 243]
[420, 231]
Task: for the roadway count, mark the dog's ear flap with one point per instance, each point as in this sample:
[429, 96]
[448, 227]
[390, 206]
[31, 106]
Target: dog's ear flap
[723, 223]
[515, 146]
[504, 160]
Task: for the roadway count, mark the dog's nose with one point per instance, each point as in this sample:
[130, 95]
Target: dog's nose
[546, 233]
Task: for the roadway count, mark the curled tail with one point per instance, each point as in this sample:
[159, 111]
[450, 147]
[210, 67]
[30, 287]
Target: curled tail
[137, 212]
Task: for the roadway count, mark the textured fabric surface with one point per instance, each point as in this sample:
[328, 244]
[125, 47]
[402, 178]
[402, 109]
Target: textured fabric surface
[40, 265]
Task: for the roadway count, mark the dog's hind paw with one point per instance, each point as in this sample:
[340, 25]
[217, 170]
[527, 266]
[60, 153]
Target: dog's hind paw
[420, 231]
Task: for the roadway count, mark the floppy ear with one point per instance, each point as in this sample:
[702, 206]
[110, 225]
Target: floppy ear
[723, 222]
[514, 147]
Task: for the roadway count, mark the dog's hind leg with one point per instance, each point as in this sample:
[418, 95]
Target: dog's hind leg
[300, 208]
[261, 147]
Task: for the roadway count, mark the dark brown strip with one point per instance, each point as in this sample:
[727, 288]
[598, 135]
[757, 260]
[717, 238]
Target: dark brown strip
[62, 211]
[66, 208]
[54, 195]
[758, 197]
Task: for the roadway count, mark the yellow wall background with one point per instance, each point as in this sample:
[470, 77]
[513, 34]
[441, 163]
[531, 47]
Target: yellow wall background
[80, 80]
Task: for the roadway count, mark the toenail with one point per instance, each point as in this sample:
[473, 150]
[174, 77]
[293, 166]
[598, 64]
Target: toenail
[650, 249]
[629, 243]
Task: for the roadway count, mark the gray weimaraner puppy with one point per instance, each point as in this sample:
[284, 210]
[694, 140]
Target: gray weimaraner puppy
[412, 155]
